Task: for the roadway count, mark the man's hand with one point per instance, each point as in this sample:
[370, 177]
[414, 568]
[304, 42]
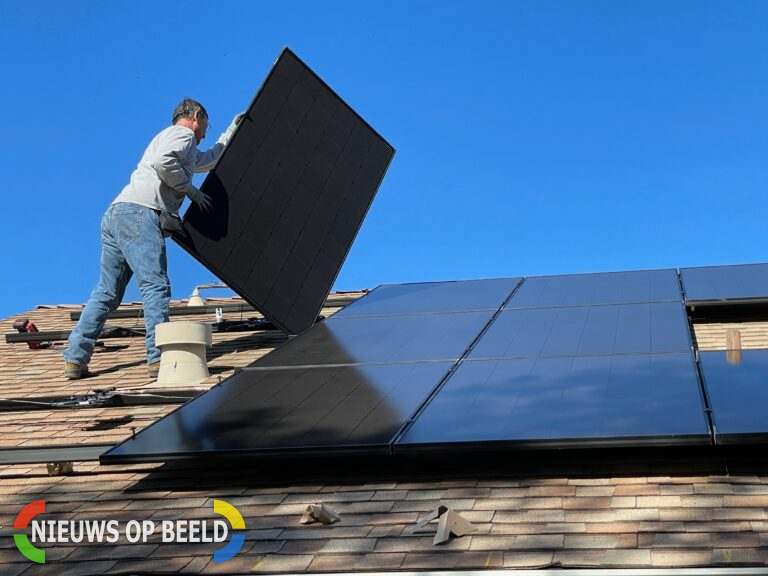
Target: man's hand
[227, 134]
[236, 120]
[202, 200]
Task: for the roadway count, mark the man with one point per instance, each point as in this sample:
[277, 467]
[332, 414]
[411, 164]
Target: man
[132, 241]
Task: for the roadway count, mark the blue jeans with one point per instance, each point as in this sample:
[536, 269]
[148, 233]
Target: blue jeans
[131, 243]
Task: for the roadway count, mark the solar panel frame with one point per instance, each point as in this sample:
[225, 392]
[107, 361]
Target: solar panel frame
[712, 285]
[298, 234]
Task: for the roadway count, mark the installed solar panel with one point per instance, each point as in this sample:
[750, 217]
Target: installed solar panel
[726, 283]
[432, 297]
[289, 195]
[381, 339]
[268, 412]
[602, 288]
[738, 395]
[586, 330]
[592, 400]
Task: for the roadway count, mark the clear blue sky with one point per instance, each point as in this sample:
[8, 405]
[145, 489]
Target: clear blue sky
[535, 137]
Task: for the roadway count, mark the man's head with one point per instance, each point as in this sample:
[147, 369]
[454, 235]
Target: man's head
[192, 114]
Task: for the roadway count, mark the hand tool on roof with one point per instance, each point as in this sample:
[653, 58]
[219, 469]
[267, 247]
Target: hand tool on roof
[24, 325]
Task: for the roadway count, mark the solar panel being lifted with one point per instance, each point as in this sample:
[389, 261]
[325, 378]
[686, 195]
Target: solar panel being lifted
[289, 195]
[726, 284]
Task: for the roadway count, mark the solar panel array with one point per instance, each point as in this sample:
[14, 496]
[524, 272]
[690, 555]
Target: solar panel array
[568, 361]
[574, 361]
[558, 361]
[349, 384]
[289, 195]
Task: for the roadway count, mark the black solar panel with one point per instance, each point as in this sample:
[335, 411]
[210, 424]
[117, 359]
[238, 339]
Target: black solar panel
[738, 394]
[381, 339]
[726, 283]
[289, 193]
[432, 297]
[285, 411]
[600, 288]
[586, 330]
[593, 400]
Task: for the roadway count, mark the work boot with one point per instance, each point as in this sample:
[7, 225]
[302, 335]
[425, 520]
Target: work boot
[75, 371]
[153, 370]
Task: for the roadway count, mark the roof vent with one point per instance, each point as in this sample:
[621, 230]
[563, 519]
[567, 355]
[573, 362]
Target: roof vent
[183, 361]
[196, 299]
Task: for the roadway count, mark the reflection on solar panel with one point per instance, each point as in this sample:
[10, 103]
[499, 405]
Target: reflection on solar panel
[382, 339]
[290, 410]
[602, 288]
[432, 297]
[289, 194]
[596, 400]
[726, 283]
[738, 394]
[586, 330]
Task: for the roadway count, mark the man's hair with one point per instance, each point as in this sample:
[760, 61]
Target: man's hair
[187, 108]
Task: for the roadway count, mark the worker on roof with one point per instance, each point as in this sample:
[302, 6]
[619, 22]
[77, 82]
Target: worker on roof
[134, 227]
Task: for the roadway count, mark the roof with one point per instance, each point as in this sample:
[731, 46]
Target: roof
[586, 509]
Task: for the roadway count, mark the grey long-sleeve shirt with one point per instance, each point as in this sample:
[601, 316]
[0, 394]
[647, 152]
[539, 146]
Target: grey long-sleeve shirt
[164, 175]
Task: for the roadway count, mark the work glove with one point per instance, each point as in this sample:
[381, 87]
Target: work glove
[202, 199]
[227, 134]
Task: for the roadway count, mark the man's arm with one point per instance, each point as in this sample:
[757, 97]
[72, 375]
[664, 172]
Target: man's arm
[204, 161]
[172, 166]
[170, 158]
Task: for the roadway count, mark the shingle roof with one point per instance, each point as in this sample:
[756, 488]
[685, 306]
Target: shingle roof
[26, 374]
[587, 509]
